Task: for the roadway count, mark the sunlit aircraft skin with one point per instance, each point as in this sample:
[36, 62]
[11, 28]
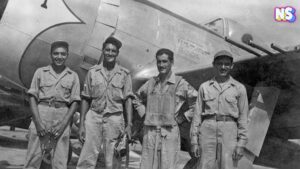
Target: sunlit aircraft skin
[28, 27]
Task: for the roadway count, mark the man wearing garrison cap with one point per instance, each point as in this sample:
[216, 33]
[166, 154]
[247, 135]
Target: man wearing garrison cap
[160, 100]
[219, 126]
[107, 87]
[54, 93]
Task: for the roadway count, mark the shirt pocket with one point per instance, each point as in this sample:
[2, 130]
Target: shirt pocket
[98, 88]
[231, 104]
[46, 86]
[66, 88]
[209, 103]
[117, 89]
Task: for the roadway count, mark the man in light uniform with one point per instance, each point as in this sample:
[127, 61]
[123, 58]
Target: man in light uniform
[106, 88]
[219, 125]
[54, 93]
[163, 96]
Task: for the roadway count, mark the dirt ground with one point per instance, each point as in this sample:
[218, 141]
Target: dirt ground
[13, 147]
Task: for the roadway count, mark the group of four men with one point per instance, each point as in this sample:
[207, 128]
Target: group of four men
[218, 112]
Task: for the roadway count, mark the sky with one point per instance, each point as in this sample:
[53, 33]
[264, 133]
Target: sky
[256, 15]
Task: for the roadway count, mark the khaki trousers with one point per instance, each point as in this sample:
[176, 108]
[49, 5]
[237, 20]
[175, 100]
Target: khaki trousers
[218, 140]
[160, 147]
[49, 116]
[101, 130]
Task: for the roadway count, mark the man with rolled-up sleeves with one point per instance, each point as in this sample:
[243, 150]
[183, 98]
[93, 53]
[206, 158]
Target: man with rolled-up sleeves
[107, 88]
[54, 93]
[219, 126]
[160, 100]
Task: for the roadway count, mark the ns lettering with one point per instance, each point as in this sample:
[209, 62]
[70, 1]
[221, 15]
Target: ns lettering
[285, 14]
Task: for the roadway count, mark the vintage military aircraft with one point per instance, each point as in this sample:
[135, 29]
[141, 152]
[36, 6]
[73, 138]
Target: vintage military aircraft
[269, 72]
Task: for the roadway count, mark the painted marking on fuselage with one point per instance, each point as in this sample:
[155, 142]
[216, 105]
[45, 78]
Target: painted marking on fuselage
[191, 49]
[44, 5]
[28, 16]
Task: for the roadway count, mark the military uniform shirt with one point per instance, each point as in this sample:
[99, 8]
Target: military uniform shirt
[231, 100]
[47, 85]
[107, 93]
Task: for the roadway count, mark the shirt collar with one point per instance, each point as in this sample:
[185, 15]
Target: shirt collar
[230, 81]
[49, 68]
[68, 70]
[101, 67]
[171, 79]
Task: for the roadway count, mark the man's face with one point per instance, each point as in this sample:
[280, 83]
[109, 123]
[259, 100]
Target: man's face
[223, 65]
[163, 63]
[110, 52]
[59, 56]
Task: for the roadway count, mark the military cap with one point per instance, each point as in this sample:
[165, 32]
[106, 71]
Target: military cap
[223, 53]
[114, 41]
[59, 44]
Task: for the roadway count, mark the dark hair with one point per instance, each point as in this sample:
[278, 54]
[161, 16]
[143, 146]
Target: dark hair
[167, 52]
[112, 40]
[57, 44]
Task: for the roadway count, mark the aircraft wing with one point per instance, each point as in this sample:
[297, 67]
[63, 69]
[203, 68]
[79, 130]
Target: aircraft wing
[14, 107]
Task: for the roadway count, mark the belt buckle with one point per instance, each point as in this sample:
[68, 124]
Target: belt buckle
[50, 103]
[220, 118]
[215, 117]
[56, 105]
[223, 118]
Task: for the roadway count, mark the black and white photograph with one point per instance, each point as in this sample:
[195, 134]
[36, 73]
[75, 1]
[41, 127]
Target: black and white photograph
[149, 84]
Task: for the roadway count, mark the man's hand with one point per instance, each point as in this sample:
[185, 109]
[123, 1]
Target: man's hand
[128, 131]
[81, 134]
[58, 129]
[41, 129]
[196, 151]
[180, 119]
[237, 153]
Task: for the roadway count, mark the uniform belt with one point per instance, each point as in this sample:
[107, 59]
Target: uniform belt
[55, 104]
[159, 127]
[218, 117]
